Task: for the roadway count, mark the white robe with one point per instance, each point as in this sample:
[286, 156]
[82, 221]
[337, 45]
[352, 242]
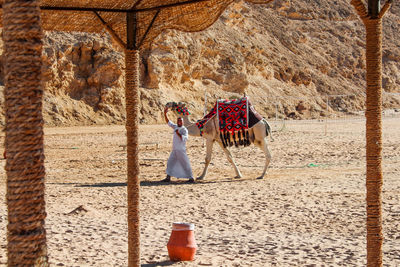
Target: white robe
[178, 162]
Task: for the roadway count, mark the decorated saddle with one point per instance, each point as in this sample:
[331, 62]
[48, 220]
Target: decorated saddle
[179, 107]
[235, 117]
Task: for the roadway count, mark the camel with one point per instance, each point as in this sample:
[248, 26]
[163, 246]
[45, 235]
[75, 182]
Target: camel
[257, 135]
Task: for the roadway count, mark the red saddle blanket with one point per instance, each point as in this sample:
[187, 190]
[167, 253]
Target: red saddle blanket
[233, 115]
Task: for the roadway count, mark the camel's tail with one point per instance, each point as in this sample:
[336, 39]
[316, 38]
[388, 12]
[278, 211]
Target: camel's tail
[268, 130]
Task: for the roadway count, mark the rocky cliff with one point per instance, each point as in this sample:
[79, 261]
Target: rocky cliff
[287, 54]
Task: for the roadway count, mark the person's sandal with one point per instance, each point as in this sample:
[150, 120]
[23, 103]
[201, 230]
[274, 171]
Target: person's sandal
[166, 180]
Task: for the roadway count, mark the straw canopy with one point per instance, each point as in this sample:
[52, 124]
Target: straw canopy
[148, 17]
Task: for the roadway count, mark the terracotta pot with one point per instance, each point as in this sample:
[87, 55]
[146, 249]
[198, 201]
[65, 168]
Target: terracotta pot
[182, 245]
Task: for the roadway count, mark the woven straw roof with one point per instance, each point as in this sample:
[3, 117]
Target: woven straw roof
[152, 16]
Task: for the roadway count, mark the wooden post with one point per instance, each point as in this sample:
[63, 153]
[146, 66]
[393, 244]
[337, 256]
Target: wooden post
[22, 36]
[374, 180]
[374, 7]
[132, 134]
[373, 115]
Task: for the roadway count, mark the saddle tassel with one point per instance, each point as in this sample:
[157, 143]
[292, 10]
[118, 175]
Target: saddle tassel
[234, 139]
[240, 138]
[244, 137]
[229, 140]
[247, 138]
[222, 139]
[226, 138]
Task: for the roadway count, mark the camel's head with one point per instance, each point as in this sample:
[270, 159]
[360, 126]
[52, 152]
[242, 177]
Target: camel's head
[179, 108]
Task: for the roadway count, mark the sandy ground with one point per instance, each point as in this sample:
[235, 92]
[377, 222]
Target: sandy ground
[308, 211]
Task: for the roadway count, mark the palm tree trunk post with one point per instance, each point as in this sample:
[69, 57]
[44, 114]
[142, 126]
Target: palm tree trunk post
[132, 133]
[372, 19]
[374, 141]
[22, 35]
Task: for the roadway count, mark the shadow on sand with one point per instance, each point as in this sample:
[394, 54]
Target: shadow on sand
[197, 182]
[92, 185]
[102, 185]
[161, 263]
[158, 183]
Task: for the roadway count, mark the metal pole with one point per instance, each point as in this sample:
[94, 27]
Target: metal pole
[205, 112]
[326, 115]
[205, 103]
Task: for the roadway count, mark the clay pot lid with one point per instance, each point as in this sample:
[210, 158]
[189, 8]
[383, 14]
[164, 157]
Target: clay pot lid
[180, 226]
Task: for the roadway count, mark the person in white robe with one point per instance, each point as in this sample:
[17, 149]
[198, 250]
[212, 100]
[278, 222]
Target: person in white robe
[178, 164]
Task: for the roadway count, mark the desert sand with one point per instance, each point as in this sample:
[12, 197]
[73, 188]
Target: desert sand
[308, 211]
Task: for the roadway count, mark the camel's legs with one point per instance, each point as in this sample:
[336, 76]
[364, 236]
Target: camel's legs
[264, 147]
[209, 145]
[230, 159]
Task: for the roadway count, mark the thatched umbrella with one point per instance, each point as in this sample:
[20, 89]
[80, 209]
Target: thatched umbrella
[373, 24]
[133, 24]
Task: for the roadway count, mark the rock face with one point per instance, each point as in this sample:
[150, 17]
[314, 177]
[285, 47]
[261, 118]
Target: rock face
[287, 56]
[83, 80]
